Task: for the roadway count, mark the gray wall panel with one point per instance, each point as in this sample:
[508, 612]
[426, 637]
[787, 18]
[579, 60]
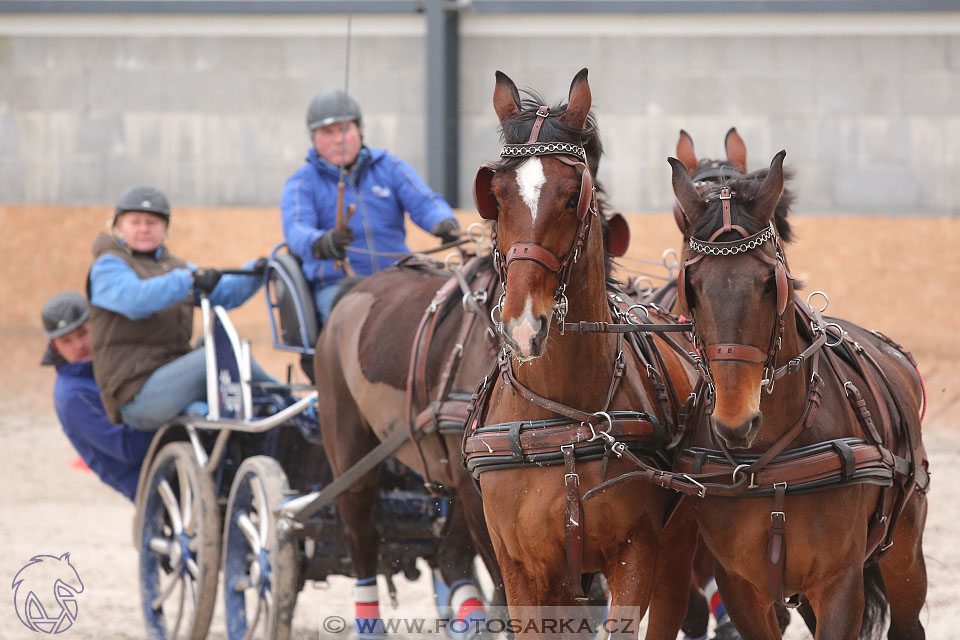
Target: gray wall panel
[870, 120]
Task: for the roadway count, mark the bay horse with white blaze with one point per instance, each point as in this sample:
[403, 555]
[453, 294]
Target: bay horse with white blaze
[570, 394]
[812, 459]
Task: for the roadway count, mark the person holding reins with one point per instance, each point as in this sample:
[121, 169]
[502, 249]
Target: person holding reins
[379, 188]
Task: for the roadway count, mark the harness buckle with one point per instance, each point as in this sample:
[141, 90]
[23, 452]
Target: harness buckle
[575, 476]
[769, 380]
[702, 493]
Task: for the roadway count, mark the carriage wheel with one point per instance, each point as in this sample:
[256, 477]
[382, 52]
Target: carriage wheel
[259, 556]
[179, 545]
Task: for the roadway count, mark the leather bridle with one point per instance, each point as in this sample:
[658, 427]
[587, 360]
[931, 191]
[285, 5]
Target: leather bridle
[730, 351]
[570, 154]
[707, 174]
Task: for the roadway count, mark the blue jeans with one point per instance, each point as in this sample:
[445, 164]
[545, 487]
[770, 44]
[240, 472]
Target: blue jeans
[323, 299]
[171, 389]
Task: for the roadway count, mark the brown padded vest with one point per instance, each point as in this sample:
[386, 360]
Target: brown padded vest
[127, 352]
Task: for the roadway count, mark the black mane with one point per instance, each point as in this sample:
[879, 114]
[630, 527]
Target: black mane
[516, 130]
[745, 190]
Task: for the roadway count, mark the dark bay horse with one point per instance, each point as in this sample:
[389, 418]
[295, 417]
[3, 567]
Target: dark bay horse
[362, 368]
[705, 172]
[556, 402]
[798, 517]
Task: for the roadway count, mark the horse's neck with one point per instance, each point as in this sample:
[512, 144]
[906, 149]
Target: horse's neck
[576, 368]
[785, 406]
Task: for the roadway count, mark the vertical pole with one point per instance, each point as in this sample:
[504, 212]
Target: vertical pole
[443, 103]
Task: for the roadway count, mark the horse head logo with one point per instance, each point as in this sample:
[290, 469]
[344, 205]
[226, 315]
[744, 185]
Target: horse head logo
[45, 594]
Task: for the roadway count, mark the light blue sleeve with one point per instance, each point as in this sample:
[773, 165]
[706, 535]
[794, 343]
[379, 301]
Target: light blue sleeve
[116, 287]
[301, 222]
[426, 207]
[233, 290]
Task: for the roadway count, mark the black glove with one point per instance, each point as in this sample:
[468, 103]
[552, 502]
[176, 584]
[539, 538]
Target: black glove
[331, 245]
[259, 266]
[446, 230]
[206, 280]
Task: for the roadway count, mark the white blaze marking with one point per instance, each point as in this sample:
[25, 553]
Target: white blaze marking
[523, 331]
[530, 179]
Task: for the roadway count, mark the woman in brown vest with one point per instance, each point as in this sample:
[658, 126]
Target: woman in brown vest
[142, 315]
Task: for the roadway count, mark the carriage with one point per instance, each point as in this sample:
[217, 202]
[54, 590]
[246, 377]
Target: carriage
[236, 486]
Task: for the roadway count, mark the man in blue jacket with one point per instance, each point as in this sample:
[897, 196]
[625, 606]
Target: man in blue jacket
[113, 451]
[380, 185]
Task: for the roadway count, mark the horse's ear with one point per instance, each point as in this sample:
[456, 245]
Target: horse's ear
[765, 202]
[506, 98]
[685, 151]
[579, 101]
[690, 201]
[736, 149]
[65, 556]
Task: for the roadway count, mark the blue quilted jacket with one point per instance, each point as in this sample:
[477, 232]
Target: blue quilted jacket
[382, 186]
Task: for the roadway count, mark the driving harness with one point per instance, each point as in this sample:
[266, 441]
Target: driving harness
[575, 434]
[447, 412]
[891, 455]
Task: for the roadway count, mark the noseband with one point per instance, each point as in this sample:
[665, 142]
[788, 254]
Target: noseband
[570, 154]
[737, 352]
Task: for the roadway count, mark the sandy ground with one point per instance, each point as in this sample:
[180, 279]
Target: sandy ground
[889, 274]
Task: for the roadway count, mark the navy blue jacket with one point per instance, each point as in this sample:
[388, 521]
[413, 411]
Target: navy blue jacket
[113, 451]
[382, 187]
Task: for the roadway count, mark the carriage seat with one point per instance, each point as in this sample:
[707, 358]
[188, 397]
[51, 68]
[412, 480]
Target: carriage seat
[293, 292]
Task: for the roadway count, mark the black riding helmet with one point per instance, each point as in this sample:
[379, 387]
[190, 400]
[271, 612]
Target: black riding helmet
[63, 313]
[143, 199]
[330, 107]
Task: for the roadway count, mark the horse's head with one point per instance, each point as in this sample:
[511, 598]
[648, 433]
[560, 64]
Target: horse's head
[735, 285]
[542, 196]
[705, 172]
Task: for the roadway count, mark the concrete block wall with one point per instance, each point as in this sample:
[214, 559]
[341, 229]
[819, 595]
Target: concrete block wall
[210, 109]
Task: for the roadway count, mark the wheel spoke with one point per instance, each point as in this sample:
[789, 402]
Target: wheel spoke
[252, 626]
[176, 626]
[268, 631]
[191, 598]
[186, 497]
[249, 531]
[170, 503]
[193, 568]
[160, 546]
[263, 508]
[158, 601]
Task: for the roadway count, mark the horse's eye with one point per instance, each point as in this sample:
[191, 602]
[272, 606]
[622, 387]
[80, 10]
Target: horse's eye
[573, 201]
[769, 284]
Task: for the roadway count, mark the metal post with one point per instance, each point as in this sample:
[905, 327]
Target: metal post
[443, 98]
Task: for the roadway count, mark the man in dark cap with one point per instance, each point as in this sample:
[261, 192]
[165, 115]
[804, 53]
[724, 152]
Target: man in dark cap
[380, 185]
[113, 451]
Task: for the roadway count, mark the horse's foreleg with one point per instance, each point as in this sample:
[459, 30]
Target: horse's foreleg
[458, 598]
[905, 573]
[752, 612]
[671, 594]
[472, 507]
[630, 576]
[838, 600]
